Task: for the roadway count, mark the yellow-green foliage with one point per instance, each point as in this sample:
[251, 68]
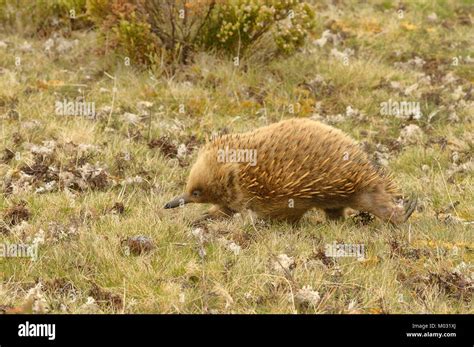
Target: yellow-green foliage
[234, 25]
[136, 40]
[289, 37]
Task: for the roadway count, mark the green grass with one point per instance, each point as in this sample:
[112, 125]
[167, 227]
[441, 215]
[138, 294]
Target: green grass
[410, 269]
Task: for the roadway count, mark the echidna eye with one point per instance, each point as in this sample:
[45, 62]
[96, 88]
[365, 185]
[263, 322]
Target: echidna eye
[196, 193]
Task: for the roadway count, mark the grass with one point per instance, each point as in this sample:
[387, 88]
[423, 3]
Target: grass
[424, 266]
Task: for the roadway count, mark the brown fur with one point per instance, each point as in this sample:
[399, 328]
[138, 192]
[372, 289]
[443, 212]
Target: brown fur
[301, 164]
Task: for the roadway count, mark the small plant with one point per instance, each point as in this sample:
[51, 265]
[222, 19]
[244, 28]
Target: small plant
[235, 25]
[124, 29]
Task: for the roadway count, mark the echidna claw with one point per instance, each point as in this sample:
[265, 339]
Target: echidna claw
[410, 207]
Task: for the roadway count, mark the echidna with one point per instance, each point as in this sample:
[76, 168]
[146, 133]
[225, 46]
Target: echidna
[282, 170]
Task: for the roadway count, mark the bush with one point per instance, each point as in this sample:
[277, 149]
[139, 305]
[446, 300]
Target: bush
[173, 29]
[235, 25]
[124, 27]
[179, 24]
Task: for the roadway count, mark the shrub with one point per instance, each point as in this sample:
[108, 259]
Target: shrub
[175, 28]
[125, 29]
[235, 25]
[179, 24]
